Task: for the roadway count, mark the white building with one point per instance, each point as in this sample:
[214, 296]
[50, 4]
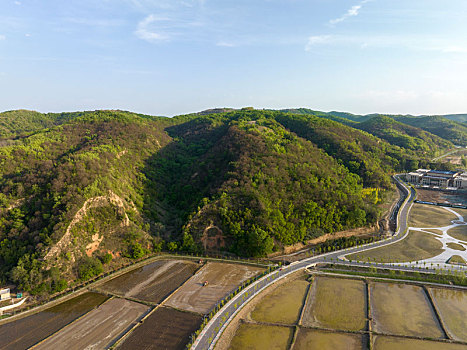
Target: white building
[5, 294]
[438, 178]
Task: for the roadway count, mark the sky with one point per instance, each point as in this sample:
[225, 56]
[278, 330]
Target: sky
[170, 57]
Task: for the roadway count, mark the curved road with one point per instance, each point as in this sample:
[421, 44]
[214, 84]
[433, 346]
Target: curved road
[213, 330]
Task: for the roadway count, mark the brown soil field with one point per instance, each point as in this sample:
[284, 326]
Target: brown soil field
[394, 343]
[27, 331]
[98, 328]
[153, 282]
[165, 328]
[222, 279]
[440, 197]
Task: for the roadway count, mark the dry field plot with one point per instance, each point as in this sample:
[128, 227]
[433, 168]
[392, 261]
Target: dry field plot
[459, 232]
[430, 216]
[452, 306]
[310, 339]
[222, 279]
[394, 343]
[25, 332]
[283, 305]
[416, 246]
[401, 309]
[337, 303]
[259, 337]
[98, 328]
[152, 282]
[165, 328]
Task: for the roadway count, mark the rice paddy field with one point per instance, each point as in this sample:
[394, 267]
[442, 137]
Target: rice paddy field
[28, 331]
[338, 313]
[311, 339]
[98, 328]
[337, 304]
[402, 309]
[283, 305]
[152, 282]
[165, 328]
[394, 343]
[222, 278]
[452, 306]
[261, 337]
[416, 246]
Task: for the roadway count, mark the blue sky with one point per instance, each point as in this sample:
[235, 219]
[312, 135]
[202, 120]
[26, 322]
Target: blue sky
[168, 57]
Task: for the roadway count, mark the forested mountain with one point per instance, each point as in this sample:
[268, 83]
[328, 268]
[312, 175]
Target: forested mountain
[438, 125]
[403, 135]
[82, 191]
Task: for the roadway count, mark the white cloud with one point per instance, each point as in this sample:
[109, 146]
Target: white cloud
[2, 37]
[17, 3]
[317, 40]
[225, 44]
[146, 29]
[353, 11]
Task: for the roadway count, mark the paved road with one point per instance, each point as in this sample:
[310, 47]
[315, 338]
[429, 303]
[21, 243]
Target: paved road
[210, 334]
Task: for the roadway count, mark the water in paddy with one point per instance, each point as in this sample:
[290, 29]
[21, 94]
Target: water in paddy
[452, 306]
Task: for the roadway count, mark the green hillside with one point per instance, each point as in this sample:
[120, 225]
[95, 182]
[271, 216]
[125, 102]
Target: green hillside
[437, 125]
[105, 187]
[405, 136]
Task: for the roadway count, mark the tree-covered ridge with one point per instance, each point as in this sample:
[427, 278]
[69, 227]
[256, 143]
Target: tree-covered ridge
[405, 136]
[109, 185]
[438, 125]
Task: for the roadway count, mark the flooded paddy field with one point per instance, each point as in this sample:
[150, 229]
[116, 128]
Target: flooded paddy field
[402, 309]
[261, 337]
[25, 332]
[98, 328]
[422, 215]
[452, 306]
[336, 303]
[395, 343]
[311, 339]
[283, 305]
[222, 278]
[416, 246]
[165, 328]
[152, 282]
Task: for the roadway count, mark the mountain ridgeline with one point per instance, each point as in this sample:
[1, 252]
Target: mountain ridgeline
[82, 192]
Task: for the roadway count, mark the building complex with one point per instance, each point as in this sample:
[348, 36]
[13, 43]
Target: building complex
[438, 179]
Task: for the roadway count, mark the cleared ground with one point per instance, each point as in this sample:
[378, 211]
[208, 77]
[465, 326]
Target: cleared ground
[222, 279]
[401, 309]
[259, 337]
[283, 305]
[98, 328]
[310, 339]
[165, 328]
[394, 343]
[459, 232]
[25, 332]
[416, 246]
[422, 215]
[336, 303]
[452, 306]
[152, 282]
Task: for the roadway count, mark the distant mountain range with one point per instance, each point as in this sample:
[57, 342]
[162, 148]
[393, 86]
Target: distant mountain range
[83, 192]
